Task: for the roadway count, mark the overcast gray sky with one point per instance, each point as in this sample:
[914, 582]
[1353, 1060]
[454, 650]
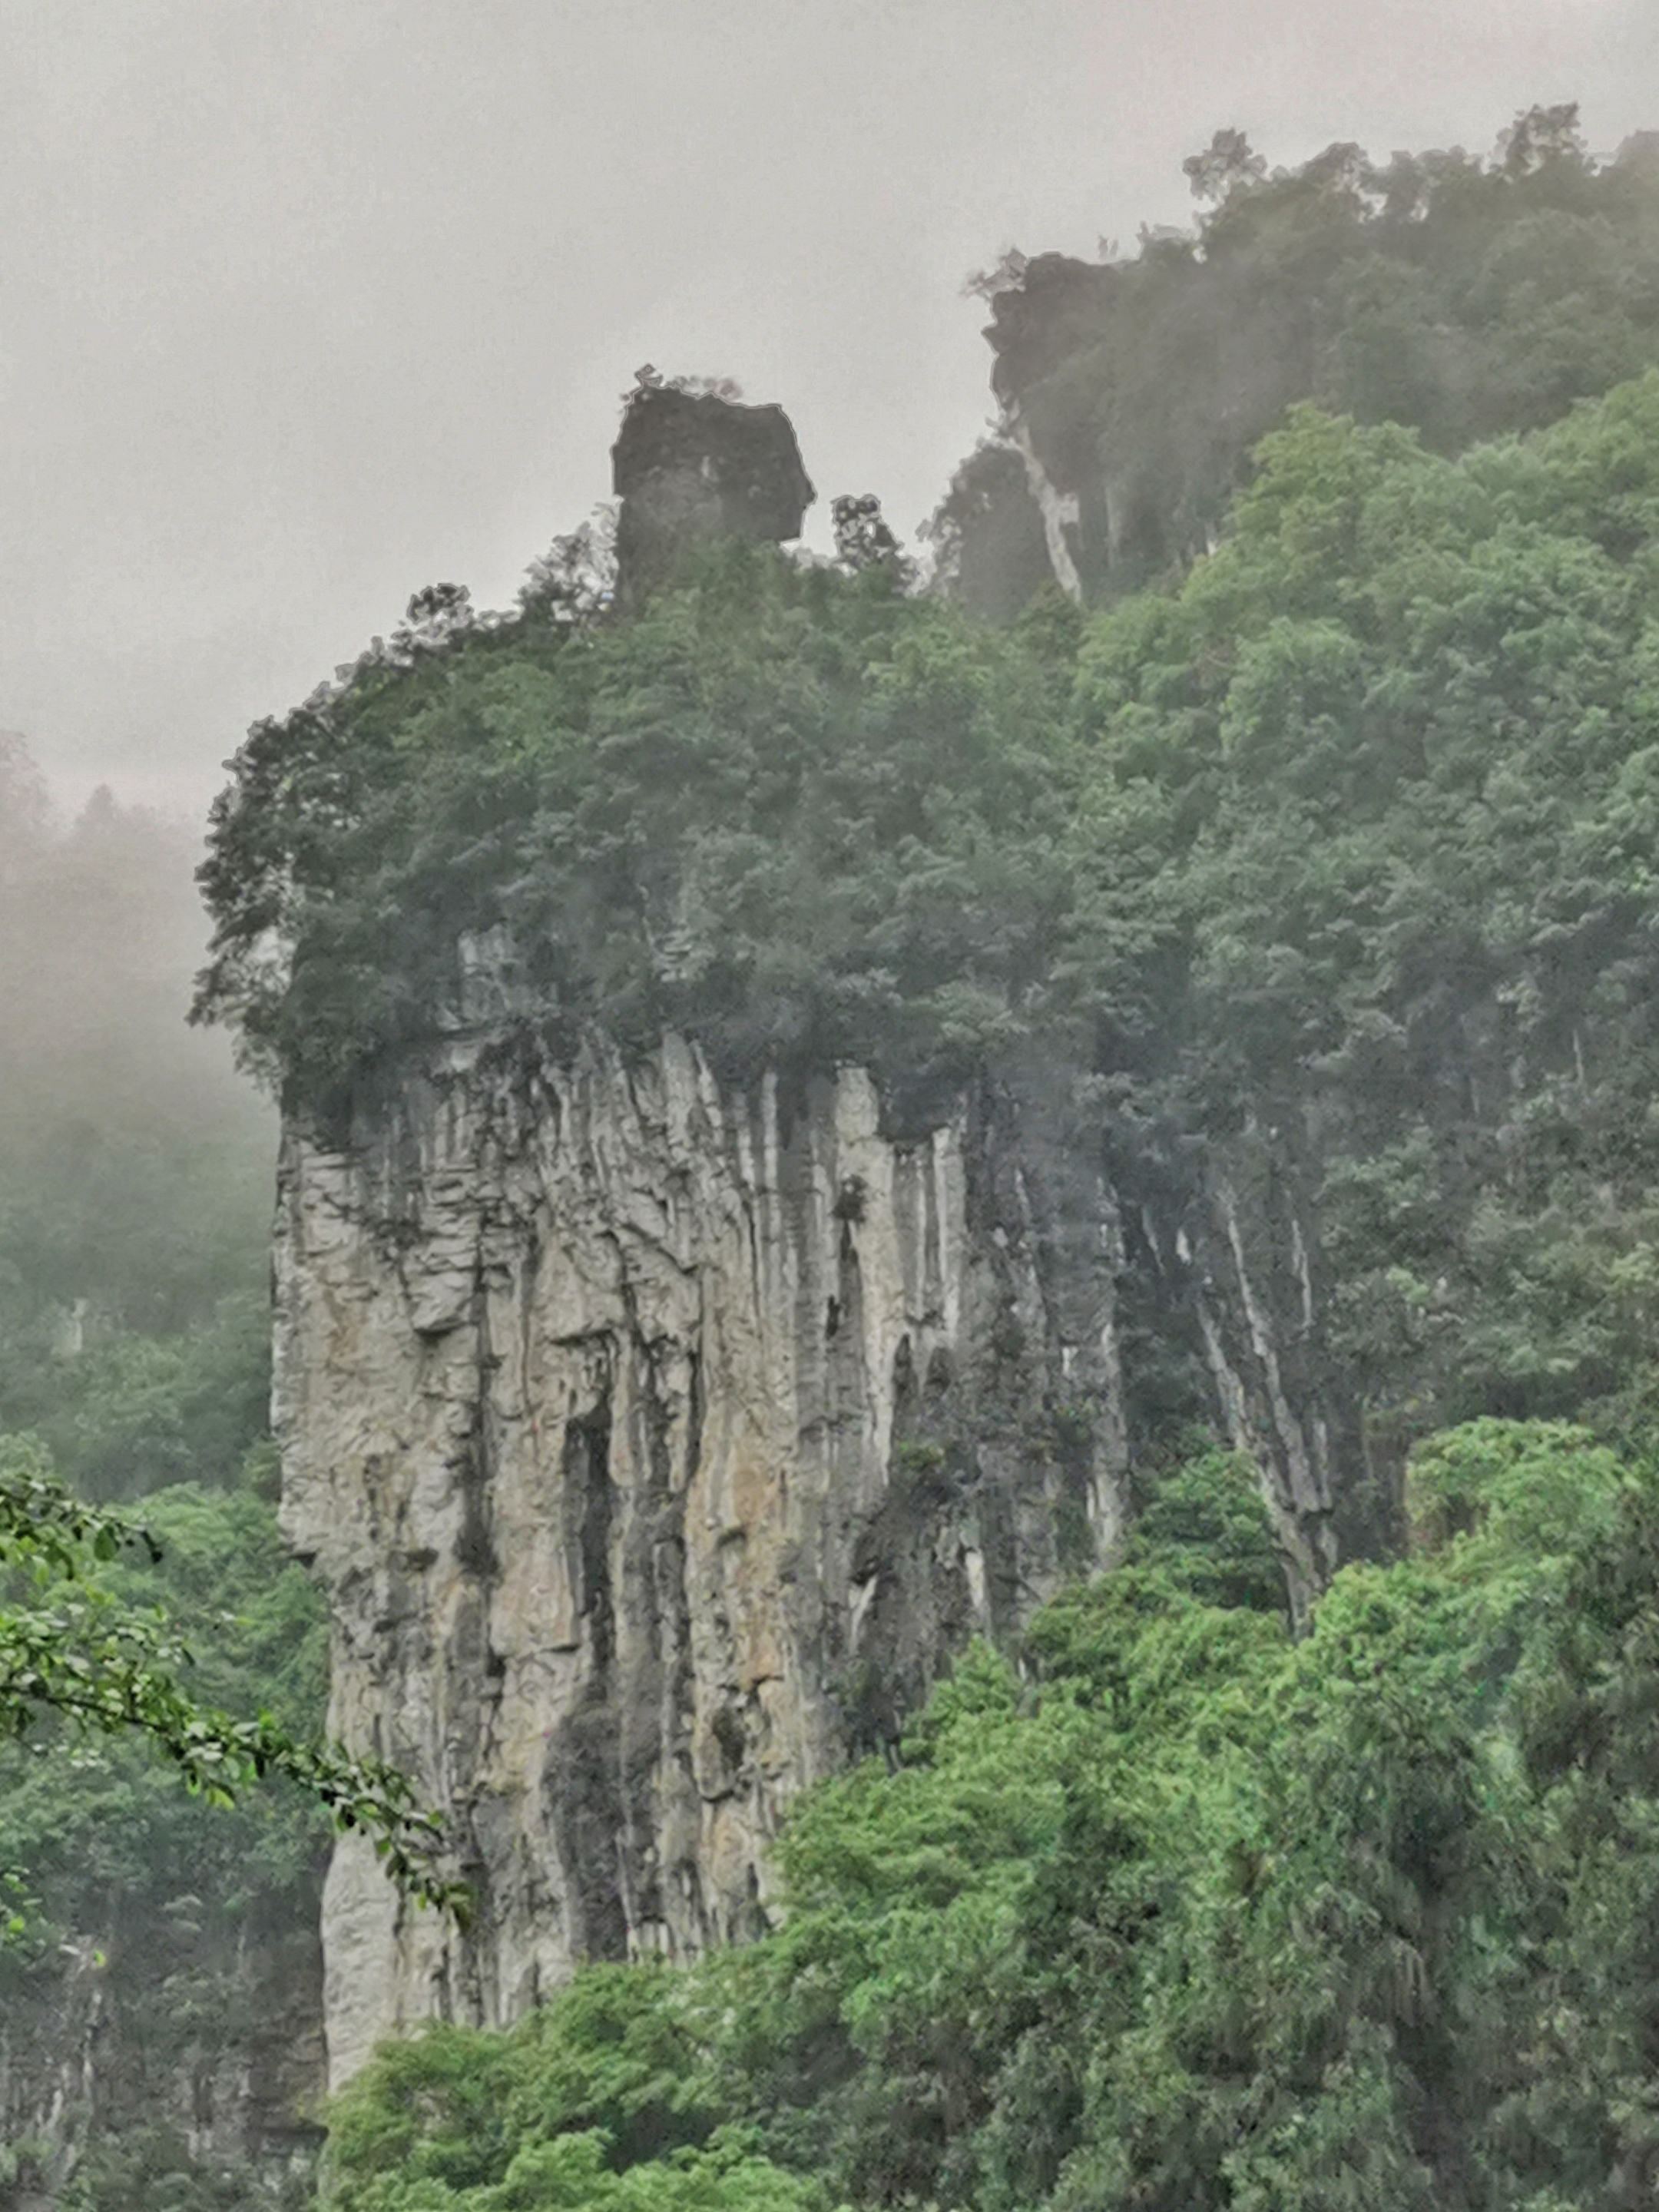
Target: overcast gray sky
[310, 302]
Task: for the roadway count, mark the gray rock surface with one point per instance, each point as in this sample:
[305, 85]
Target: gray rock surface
[694, 465]
[91, 2053]
[657, 1443]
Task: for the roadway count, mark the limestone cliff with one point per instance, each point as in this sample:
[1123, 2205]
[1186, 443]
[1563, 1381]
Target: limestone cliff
[690, 466]
[658, 1438]
[656, 1443]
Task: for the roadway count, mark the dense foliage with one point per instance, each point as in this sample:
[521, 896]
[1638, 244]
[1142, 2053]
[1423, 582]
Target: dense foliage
[791, 809]
[154, 1941]
[1348, 836]
[1464, 297]
[1174, 1914]
[1365, 856]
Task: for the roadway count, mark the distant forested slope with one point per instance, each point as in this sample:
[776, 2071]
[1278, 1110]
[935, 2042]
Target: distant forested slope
[135, 1165]
[1462, 296]
[160, 2016]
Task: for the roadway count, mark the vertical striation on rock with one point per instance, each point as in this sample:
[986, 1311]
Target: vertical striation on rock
[657, 1443]
[88, 2056]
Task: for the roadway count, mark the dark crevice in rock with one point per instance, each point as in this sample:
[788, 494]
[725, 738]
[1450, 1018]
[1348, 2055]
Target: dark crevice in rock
[693, 1415]
[590, 1498]
[587, 1806]
[585, 1815]
[473, 1548]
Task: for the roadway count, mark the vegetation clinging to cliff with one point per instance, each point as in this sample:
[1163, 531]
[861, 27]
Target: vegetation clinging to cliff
[1348, 837]
[1462, 297]
[1176, 1915]
[795, 813]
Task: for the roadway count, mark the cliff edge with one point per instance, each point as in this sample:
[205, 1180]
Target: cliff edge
[656, 1444]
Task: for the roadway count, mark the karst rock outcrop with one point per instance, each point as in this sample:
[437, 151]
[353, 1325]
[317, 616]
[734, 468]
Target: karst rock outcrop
[690, 464]
[659, 1434]
[657, 1443]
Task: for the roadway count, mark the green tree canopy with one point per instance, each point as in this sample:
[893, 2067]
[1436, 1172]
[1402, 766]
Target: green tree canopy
[1465, 298]
[1174, 1913]
[1345, 836]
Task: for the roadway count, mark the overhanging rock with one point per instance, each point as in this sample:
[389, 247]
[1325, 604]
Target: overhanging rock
[690, 466]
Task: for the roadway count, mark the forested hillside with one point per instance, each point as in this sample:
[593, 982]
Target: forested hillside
[1344, 842]
[1302, 864]
[1342, 845]
[159, 1978]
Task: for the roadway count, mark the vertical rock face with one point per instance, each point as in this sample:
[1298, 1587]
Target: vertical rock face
[1226, 1308]
[690, 466]
[89, 2055]
[1254, 1253]
[656, 1444]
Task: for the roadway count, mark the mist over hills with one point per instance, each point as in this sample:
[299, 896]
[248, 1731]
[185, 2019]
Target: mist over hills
[1250, 836]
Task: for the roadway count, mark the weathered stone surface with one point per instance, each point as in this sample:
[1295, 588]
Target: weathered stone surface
[1259, 1309]
[1227, 1312]
[89, 2055]
[688, 465]
[657, 1444]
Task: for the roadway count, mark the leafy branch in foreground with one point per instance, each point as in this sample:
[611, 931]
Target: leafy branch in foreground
[69, 1648]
